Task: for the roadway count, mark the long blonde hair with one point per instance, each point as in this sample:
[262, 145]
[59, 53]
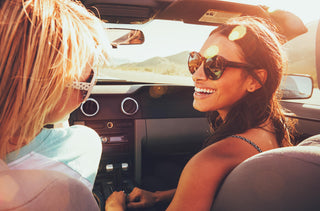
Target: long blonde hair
[45, 44]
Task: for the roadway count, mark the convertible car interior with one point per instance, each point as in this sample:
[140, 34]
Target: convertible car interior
[149, 130]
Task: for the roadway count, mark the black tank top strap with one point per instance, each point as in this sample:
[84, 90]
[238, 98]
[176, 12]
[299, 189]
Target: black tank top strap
[248, 141]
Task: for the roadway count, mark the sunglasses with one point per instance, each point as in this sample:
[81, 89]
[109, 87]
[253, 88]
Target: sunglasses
[85, 87]
[214, 66]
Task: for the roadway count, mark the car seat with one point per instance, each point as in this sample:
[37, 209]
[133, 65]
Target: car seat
[283, 179]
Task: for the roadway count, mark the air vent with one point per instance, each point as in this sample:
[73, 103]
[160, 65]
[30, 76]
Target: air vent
[129, 106]
[90, 107]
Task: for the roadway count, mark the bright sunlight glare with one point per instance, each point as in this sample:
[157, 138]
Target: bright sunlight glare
[306, 10]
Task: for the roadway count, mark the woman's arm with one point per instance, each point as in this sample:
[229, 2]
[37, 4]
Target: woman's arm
[139, 198]
[164, 196]
[204, 173]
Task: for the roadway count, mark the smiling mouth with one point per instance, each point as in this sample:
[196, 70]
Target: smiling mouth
[204, 91]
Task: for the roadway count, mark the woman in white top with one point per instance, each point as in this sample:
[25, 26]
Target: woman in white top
[48, 52]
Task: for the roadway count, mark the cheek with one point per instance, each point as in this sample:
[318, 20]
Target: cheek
[65, 106]
[228, 92]
[232, 91]
[75, 100]
[230, 88]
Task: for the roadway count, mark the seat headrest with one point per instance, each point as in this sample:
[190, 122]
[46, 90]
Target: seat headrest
[312, 141]
[285, 178]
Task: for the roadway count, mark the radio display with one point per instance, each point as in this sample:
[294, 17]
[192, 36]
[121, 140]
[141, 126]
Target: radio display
[117, 139]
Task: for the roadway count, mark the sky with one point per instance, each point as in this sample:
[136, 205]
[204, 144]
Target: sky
[158, 42]
[307, 10]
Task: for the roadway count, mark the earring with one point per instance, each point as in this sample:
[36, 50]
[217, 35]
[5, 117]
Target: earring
[251, 89]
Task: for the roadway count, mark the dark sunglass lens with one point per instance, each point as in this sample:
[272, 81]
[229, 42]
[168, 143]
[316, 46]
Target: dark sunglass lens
[213, 68]
[194, 62]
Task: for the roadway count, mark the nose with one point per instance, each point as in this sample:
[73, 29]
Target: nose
[199, 74]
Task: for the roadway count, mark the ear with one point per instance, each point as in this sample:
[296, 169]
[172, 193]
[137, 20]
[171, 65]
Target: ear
[254, 84]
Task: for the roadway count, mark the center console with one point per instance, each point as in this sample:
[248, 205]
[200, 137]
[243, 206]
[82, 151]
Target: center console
[116, 168]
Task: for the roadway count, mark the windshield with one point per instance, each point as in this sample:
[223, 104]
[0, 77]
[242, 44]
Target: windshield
[162, 58]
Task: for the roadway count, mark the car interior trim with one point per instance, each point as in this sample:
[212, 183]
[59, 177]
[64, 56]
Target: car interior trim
[86, 109]
[129, 106]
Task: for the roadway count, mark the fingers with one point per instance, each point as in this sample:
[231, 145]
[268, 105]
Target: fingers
[116, 199]
[136, 191]
[120, 194]
[135, 205]
[135, 195]
[139, 198]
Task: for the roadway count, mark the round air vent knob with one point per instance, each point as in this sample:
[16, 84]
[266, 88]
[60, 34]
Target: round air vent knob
[90, 107]
[129, 106]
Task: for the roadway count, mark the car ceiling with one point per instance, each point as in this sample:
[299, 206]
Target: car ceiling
[191, 11]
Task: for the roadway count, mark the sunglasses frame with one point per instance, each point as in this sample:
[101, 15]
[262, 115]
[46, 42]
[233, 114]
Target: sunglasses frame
[217, 60]
[85, 86]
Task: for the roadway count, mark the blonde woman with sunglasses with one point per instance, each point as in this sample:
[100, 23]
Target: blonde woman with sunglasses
[236, 75]
[48, 50]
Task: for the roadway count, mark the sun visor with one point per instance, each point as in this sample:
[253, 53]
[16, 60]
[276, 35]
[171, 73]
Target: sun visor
[217, 16]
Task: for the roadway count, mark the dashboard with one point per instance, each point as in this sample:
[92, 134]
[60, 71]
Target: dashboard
[148, 133]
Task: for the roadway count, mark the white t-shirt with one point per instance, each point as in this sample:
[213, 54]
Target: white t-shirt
[75, 151]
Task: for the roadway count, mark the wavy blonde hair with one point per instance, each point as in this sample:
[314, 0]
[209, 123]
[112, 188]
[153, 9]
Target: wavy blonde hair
[45, 44]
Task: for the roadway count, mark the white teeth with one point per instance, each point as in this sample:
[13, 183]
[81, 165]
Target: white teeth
[207, 91]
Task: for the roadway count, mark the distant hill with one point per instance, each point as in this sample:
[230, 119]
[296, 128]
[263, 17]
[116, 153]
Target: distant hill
[180, 58]
[170, 65]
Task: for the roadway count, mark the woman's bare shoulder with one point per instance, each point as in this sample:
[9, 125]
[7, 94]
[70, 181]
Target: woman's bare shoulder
[228, 151]
[205, 171]
[263, 136]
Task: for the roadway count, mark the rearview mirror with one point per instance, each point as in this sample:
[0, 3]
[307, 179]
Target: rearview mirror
[296, 87]
[120, 36]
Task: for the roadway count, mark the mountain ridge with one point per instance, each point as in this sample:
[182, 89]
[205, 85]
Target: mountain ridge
[172, 65]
